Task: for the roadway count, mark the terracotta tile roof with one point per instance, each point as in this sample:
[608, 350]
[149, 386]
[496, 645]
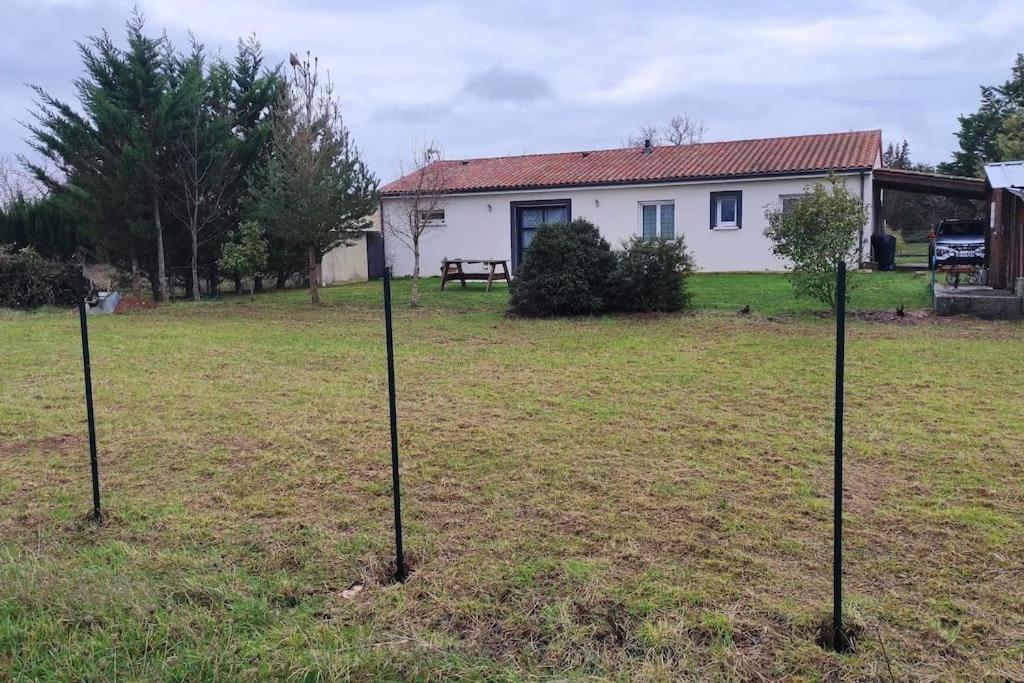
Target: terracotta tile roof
[740, 158]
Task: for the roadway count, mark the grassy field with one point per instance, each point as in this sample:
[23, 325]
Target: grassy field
[628, 498]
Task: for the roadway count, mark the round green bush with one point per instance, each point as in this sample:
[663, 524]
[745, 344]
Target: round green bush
[565, 271]
[651, 276]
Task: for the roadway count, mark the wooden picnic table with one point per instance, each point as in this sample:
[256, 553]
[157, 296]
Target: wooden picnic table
[451, 269]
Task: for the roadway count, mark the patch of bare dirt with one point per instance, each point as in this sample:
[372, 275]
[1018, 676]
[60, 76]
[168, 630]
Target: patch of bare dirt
[894, 316]
[60, 444]
[129, 304]
[849, 639]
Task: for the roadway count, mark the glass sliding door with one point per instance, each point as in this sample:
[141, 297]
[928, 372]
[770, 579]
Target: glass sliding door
[527, 217]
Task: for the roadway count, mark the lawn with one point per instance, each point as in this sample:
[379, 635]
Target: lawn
[629, 498]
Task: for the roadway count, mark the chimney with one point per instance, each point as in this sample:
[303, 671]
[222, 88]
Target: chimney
[648, 147]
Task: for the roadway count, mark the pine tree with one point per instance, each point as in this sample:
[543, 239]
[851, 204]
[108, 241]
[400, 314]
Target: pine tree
[150, 110]
[107, 164]
[316, 192]
[84, 169]
[980, 132]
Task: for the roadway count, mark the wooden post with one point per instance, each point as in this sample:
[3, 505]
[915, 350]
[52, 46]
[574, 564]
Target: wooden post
[997, 240]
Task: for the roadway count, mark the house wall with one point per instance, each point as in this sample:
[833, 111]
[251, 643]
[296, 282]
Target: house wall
[345, 264]
[479, 225]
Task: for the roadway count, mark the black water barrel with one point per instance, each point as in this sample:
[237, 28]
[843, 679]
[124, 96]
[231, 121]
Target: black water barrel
[884, 249]
[374, 254]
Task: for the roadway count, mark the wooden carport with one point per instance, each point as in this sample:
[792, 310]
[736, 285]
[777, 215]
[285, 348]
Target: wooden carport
[928, 183]
[1006, 225]
[919, 182]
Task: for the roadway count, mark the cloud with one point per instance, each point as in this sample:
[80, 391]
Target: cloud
[510, 76]
[499, 84]
[421, 113]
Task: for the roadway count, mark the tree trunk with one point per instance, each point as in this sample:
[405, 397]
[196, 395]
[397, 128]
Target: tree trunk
[136, 278]
[252, 290]
[257, 283]
[414, 298]
[238, 283]
[282, 279]
[195, 266]
[314, 277]
[161, 266]
[213, 278]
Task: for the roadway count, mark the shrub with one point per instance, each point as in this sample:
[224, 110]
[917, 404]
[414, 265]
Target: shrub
[814, 234]
[565, 271]
[27, 280]
[245, 253]
[651, 276]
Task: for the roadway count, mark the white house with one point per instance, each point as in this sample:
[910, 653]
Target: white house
[712, 194]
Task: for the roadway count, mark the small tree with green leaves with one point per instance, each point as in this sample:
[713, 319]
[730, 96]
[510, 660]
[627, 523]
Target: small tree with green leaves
[815, 233]
[245, 253]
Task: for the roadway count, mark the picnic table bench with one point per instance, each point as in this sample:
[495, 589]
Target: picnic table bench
[451, 269]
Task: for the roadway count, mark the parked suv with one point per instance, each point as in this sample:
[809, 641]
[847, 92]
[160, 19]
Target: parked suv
[958, 243]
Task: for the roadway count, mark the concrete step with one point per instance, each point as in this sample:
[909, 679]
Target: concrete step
[981, 302]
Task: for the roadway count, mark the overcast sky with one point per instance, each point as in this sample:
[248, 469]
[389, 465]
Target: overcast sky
[496, 77]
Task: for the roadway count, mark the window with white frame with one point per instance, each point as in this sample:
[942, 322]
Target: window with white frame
[433, 217]
[658, 219]
[727, 210]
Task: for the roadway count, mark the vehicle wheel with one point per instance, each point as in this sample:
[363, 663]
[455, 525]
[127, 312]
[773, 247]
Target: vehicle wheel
[974, 277]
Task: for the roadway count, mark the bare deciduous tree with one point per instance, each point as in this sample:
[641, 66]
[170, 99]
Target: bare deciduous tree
[201, 175]
[681, 129]
[415, 214]
[13, 183]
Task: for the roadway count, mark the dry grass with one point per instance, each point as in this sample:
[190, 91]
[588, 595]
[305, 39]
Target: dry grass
[624, 498]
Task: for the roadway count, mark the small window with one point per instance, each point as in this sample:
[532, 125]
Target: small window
[788, 201]
[726, 210]
[658, 219]
[434, 217]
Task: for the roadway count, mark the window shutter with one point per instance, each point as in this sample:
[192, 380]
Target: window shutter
[714, 211]
[668, 221]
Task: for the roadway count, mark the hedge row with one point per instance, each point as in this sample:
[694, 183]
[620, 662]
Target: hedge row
[569, 269]
[27, 280]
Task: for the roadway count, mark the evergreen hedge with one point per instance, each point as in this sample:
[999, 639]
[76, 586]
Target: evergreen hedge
[569, 269]
[27, 280]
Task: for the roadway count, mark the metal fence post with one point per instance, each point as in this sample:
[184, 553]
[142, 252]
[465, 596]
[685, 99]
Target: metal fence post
[400, 570]
[838, 638]
[97, 514]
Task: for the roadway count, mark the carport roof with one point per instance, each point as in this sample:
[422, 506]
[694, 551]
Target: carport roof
[1005, 174]
[929, 183]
